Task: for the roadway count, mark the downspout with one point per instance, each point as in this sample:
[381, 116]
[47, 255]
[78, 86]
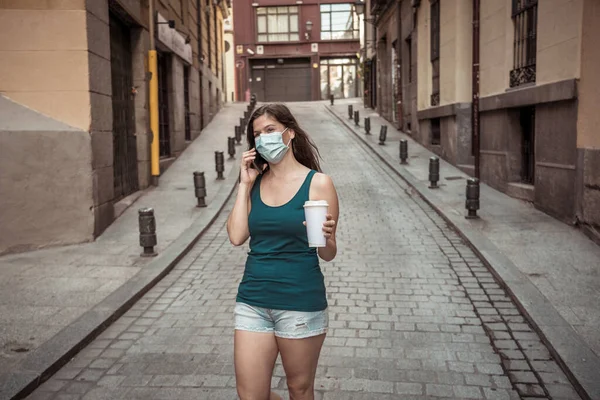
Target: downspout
[200, 60]
[475, 108]
[399, 77]
[153, 101]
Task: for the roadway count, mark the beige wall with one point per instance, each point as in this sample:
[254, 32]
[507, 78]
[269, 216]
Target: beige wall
[558, 43]
[588, 134]
[455, 51]
[558, 40]
[423, 57]
[496, 51]
[463, 50]
[47, 68]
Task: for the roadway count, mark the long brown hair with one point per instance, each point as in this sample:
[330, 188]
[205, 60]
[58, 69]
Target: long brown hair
[305, 151]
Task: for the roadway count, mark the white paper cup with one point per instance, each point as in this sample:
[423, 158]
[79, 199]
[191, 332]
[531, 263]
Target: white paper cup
[315, 213]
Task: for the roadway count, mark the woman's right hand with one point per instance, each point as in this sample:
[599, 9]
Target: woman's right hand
[248, 175]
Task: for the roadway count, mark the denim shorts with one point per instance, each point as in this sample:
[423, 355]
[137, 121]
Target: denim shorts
[284, 324]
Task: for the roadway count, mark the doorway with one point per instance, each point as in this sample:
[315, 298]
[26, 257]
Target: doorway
[123, 110]
[338, 78]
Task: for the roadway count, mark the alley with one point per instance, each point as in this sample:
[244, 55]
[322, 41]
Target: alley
[414, 314]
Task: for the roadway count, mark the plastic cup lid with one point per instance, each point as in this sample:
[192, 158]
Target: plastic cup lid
[316, 203]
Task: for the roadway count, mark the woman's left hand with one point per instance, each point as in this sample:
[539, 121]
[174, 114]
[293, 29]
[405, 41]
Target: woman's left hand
[328, 226]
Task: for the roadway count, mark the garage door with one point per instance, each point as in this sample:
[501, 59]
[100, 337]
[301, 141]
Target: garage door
[286, 80]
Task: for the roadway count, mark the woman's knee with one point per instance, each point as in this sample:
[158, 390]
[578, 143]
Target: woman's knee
[245, 393]
[301, 389]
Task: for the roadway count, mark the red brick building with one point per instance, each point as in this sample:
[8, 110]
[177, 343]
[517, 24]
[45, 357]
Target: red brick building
[296, 50]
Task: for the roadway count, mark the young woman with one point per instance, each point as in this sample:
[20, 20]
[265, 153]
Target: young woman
[281, 305]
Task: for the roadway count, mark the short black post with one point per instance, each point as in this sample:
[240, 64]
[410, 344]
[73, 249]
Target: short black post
[242, 124]
[434, 172]
[147, 225]
[382, 135]
[331, 97]
[200, 188]
[356, 118]
[238, 135]
[246, 113]
[472, 201]
[350, 111]
[403, 151]
[220, 164]
[231, 147]
[368, 125]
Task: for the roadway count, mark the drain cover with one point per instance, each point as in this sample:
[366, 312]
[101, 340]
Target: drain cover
[19, 350]
[453, 178]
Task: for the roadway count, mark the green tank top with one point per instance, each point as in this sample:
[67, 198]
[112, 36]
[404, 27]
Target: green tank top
[282, 272]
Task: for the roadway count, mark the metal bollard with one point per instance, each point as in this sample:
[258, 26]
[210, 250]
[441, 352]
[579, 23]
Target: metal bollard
[238, 135]
[220, 164]
[350, 111]
[231, 147]
[382, 135]
[331, 97]
[242, 124]
[200, 188]
[147, 225]
[434, 172]
[403, 151]
[246, 114]
[356, 118]
[472, 201]
[368, 125]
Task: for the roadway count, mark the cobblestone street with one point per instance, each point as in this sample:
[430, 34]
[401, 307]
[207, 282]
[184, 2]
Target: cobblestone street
[414, 314]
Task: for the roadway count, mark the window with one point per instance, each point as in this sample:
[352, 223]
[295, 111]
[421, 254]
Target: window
[277, 24]
[410, 67]
[436, 132]
[186, 102]
[524, 15]
[339, 21]
[527, 122]
[435, 52]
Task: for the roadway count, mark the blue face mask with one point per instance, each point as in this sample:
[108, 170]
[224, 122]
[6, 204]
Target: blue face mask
[271, 147]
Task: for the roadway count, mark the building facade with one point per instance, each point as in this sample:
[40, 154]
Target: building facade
[287, 50]
[521, 116]
[78, 84]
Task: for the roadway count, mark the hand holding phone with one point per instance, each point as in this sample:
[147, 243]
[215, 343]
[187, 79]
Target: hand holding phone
[250, 166]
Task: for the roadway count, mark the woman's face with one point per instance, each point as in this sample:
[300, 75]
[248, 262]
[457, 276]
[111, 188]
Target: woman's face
[267, 124]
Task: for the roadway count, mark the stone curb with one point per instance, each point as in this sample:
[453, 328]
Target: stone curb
[46, 360]
[574, 356]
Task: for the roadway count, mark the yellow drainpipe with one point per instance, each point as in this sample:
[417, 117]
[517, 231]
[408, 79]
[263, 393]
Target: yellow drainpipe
[153, 100]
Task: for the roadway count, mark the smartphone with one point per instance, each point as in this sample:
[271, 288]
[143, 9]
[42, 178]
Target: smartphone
[259, 163]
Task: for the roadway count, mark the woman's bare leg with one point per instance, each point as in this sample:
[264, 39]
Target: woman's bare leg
[300, 358]
[254, 356]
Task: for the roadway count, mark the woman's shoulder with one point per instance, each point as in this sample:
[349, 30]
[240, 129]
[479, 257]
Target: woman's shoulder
[321, 181]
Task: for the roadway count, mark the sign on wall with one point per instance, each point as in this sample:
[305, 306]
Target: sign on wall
[314, 47]
[260, 50]
[239, 49]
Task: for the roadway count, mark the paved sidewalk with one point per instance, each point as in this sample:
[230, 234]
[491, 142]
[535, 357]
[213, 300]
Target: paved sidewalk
[552, 269]
[53, 301]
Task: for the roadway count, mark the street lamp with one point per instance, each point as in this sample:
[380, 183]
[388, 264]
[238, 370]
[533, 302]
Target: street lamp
[359, 7]
[309, 26]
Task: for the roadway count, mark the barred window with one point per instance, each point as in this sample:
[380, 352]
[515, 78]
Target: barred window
[339, 21]
[435, 52]
[277, 24]
[524, 15]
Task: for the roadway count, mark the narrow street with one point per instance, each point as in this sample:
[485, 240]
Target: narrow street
[414, 314]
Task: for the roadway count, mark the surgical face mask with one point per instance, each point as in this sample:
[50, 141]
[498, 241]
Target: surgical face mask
[271, 147]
